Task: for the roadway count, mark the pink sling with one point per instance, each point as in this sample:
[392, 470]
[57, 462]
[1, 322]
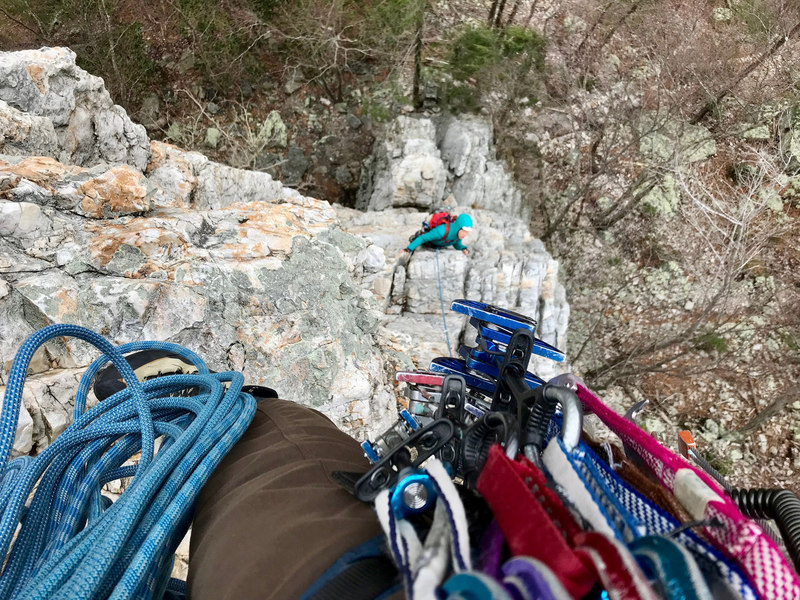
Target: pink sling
[739, 538]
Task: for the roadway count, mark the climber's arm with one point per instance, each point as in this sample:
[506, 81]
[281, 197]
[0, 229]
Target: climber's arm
[437, 233]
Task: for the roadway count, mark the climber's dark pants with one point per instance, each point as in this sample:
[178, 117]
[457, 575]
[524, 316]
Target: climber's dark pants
[271, 520]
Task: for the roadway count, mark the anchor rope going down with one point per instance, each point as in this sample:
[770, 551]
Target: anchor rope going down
[441, 302]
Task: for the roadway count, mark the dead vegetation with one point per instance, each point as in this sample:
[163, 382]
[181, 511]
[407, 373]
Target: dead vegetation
[653, 141]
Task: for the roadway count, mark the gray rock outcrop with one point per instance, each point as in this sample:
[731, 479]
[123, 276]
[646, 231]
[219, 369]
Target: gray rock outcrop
[191, 179]
[477, 178]
[90, 128]
[506, 266]
[24, 134]
[405, 169]
[247, 273]
[419, 162]
[262, 286]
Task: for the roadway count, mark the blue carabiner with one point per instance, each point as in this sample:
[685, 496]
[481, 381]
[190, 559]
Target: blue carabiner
[501, 336]
[414, 493]
[492, 314]
[459, 367]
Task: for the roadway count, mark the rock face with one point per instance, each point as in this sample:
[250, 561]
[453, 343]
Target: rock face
[477, 178]
[89, 128]
[187, 179]
[247, 273]
[506, 265]
[421, 161]
[405, 169]
[25, 134]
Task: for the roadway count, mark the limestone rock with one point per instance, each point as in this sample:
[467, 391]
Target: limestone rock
[23, 134]
[172, 175]
[421, 288]
[405, 168]
[182, 179]
[119, 191]
[98, 192]
[663, 199]
[23, 442]
[267, 277]
[465, 144]
[220, 185]
[419, 162]
[46, 410]
[479, 180]
[755, 132]
[666, 139]
[506, 267]
[22, 220]
[245, 272]
[274, 129]
[213, 136]
[90, 128]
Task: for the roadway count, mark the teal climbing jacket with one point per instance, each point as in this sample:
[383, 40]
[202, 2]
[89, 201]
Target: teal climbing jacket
[436, 236]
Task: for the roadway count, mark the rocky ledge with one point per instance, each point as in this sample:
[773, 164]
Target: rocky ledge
[141, 240]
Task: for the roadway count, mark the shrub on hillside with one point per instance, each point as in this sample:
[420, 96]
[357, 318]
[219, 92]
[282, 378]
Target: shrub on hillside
[483, 59]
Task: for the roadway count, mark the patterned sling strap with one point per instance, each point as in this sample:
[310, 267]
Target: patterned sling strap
[740, 538]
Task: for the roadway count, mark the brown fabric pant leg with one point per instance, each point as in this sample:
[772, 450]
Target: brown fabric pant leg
[271, 520]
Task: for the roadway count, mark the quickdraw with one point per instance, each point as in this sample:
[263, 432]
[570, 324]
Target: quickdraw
[634, 548]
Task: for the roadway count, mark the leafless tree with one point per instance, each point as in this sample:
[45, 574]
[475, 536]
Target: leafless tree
[732, 224]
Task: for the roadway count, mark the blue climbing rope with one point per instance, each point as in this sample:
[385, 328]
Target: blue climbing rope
[73, 542]
[441, 302]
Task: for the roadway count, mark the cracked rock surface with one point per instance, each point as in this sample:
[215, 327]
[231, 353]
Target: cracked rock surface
[144, 241]
[506, 265]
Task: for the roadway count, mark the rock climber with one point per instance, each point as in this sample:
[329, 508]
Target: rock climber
[446, 234]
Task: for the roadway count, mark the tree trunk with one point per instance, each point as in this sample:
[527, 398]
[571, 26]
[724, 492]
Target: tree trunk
[530, 12]
[512, 15]
[634, 7]
[765, 415]
[418, 99]
[594, 26]
[499, 15]
[493, 12]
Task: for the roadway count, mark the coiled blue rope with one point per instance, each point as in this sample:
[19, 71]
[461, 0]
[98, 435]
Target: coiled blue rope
[74, 543]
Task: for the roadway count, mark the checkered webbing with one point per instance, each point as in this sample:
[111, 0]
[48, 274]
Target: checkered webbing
[74, 543]
[656, 521]
[650, 519]
[740, 538]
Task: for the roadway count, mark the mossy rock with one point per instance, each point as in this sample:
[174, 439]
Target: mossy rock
[663, 200]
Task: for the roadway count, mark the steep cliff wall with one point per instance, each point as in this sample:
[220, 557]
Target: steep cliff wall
[139, 240]
[424, 164]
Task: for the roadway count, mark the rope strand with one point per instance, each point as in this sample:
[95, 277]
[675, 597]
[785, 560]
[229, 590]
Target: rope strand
[441, 302]
[72, 542]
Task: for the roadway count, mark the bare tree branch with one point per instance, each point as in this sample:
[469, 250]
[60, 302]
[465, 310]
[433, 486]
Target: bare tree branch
[755, 64]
